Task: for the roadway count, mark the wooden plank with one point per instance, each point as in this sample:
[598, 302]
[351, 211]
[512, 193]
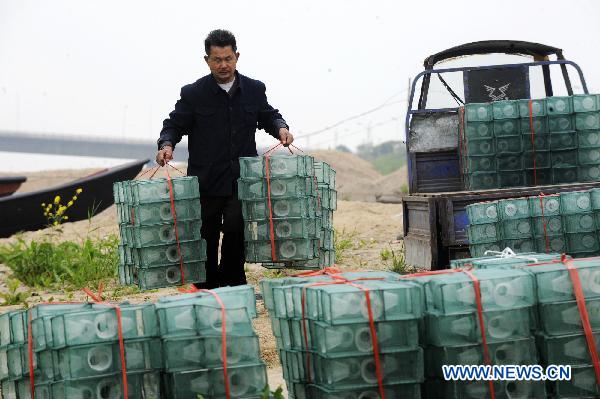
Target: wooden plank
[418, 252]
[420, 231]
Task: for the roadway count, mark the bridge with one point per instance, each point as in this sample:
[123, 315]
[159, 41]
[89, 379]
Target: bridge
[57, 144]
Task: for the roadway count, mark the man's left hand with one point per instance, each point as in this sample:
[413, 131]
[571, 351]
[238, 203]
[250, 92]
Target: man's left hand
[285, 137]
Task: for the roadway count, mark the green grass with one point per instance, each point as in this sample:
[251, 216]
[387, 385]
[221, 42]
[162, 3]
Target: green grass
[397, 260]
[49, 264]
[343, 241]
[12, 297]
[266, 394]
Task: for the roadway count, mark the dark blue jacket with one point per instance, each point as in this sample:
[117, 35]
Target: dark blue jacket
[220, 129]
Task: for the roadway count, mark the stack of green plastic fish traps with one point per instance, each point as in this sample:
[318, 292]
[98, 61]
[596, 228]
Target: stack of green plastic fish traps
[161, 244]
[76, 353]
[502, 146]
[324, 338]
[191, 328]
[172, 349]
[556, 321]
[568, 222]
[289, 215]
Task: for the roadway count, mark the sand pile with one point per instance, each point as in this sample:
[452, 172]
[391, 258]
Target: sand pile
[393, 183]
[355, 178]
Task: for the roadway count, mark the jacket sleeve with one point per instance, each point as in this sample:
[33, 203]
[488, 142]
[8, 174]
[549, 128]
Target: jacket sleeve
[269, 118]
[179, 122]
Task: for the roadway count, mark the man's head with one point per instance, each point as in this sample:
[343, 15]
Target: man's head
[221, 54]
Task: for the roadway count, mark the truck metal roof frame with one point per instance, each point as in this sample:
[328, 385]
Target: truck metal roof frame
[493, 46]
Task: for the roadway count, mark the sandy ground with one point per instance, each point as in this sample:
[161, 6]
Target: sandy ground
[366, 228]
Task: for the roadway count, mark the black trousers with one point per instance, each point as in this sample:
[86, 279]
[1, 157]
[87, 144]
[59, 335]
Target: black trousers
[223, 214]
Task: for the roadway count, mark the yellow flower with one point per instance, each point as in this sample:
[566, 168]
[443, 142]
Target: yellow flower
[43, 204]
[70, 203]
[57, 199]
[74, 198]
[55, 223]
[66, 218]
[79, 191]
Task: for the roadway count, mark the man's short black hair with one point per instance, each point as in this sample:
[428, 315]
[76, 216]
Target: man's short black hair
[219, 38]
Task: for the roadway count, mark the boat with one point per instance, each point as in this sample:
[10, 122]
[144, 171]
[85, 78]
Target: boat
[10, 184]
[23, 211]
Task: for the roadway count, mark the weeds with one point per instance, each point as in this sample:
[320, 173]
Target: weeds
[266, 393]
[49, 264]
[343, 241]
[123, 291]
[397, 258]
[385, 254]
[12, 297]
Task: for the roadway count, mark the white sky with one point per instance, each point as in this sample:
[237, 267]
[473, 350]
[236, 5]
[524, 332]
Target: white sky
[114, 68]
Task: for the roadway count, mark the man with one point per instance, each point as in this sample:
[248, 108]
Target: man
[220, 114]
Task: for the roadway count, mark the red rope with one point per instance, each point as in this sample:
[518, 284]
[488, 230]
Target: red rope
[146, 171]
[374, 340]
[183, 173]
[270, 206]
[477, 289]
[583, 313]
[545, 224]
[174, 213]
[463, 139]
[328, 271]
[486, 352]
[532, 141]
[223, 339]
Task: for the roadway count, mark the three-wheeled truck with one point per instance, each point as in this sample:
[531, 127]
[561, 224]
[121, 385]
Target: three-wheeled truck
[435, 220]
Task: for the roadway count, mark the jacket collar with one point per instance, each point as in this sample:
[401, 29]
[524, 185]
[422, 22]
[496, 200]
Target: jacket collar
[238, 82]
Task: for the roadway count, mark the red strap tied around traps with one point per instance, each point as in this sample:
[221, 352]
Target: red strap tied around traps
[223, 338]
[477, 289]
[318, 206]
[98, 299]
[486, 351]
[143, 173]
[172, 200]
[267, 156]
[532, 141]
[331, 271]
[541, 196]
[269, 205]
[374, 340]
[583, 313]
[462, 145]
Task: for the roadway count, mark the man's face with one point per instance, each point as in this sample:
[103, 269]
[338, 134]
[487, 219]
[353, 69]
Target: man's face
[222, 62]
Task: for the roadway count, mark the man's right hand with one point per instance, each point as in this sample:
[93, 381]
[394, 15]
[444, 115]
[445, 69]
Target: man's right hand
[165, 155]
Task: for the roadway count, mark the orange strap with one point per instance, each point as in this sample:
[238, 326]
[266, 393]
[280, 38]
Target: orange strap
[477, 289]
[172, 200]
[269, 205]
[147, 171]
[544, 221]
[532, 141]
[223, 338]
[486, 352]
[462, 138]
[374, 340]
[328, 271]
[585, 318]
